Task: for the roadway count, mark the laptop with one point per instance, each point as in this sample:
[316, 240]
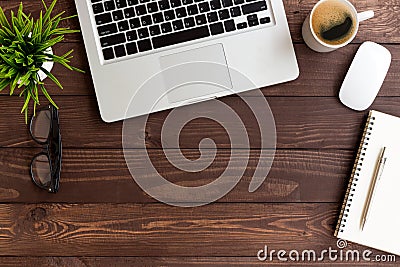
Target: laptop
[131, 42]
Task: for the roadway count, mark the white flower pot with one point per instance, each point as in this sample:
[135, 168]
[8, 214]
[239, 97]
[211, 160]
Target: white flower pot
[46, 65]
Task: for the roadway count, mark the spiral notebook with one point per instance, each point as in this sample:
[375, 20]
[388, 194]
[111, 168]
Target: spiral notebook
[382, 228]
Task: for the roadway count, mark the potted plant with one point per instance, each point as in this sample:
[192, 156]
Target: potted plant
[26, 55]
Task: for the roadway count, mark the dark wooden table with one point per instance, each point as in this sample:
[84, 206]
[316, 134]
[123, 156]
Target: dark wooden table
[101, 217]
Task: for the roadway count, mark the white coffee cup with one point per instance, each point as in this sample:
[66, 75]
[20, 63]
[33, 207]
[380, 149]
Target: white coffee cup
[311, 39]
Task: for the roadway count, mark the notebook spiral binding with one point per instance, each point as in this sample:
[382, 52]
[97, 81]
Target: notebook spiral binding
[351, 188]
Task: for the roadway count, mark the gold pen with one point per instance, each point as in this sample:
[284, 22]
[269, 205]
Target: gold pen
[371, 192]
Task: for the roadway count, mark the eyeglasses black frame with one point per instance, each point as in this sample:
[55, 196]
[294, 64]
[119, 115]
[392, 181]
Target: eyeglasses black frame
[52, 149]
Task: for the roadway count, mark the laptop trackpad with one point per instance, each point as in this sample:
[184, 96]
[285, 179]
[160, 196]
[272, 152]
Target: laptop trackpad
[195, 74]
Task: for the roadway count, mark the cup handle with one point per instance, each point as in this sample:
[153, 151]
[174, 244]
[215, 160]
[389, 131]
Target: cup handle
[365, 15]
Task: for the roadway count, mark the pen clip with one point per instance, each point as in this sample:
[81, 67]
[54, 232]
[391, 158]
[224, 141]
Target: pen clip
[382, 163]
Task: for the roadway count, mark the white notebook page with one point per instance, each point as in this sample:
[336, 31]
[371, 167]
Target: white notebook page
[382, 228]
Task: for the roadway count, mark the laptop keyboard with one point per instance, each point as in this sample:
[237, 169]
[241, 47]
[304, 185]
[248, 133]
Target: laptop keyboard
[129, 27]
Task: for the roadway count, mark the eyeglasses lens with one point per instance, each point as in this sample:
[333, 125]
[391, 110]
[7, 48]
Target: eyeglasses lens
[41, 125]
[41, 170]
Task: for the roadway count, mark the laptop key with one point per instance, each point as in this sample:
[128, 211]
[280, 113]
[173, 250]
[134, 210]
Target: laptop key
[252, 20]
[141, 10]
[227, 3]
[169, 15]
[144, 45]
[192, 10]
[133, 2]
[238, 2]
[129, 12]
[131, 48]
[252, 17]
[109, 5]
[117, 15]
[235, 11]
[98, 8]
[123, 26]
[254, 7]
[103, 18]
[201, 19]
[107, 29]
[189, 22]
[154, 30]
[134, 23]
[158, 17]
[180, 37]
[204, 7]
[215, 4]
[177, 25]
[112, 40]
[120, 3]
[108, 53]
[131, 36]
[146, 20]
[120, 51]
[265, 20]
[152, 7]
[163, 4]
[241, 25]
[175, 3]
[143, 33]
[253, 23]
[181, 12]
[223, 14]
[187, 2]
[166, 27]
[229, 25]
[216, 28]
[212, 17]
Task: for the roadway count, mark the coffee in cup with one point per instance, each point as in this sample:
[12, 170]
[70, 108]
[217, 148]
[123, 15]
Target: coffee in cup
[333, 22]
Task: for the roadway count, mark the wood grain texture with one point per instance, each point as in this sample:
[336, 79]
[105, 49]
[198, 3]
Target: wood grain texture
[158, 230]
[295, 208]
[311, 122]
[164, 261]
[101, 176]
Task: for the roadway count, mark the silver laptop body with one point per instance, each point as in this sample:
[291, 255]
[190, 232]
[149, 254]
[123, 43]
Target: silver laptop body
[130, 42]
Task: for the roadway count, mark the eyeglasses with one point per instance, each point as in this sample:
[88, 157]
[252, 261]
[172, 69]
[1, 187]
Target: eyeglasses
[45, 167]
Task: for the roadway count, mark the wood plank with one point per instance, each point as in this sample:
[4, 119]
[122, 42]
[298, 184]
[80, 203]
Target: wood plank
[159, 230]
[101, 176]
[320, 74]
[382, 28]
[164, 261]
[301, 122]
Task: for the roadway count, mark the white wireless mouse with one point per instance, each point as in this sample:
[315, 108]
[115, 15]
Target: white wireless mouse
[365, 76]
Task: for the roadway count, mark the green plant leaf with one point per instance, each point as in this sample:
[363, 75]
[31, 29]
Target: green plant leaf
[3, 19]
[49, 10]
[23, 44]
[3, 84]
[52, 77]
[27, 98]
[46, 94]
